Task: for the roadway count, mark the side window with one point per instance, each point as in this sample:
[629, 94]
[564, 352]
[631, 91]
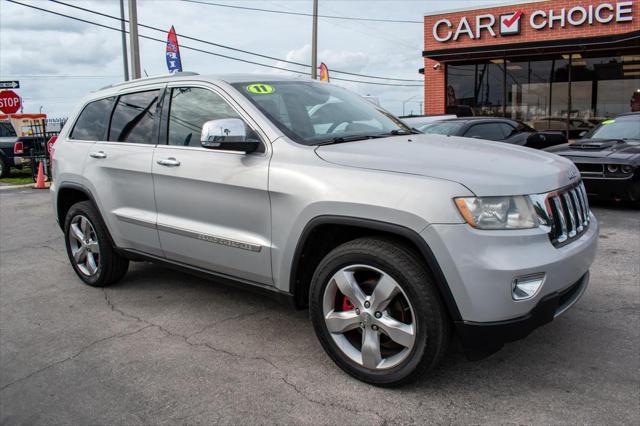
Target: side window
[489, 131]
[190, 108]
[134, 118]
[93, 121]
[508, 130]
[6, 130]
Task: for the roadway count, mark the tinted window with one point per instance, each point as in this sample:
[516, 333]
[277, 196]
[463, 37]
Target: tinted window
[93, 121]
[6, 130]
[134, 117]
[190, 109]
[489, 131]
[507, 130]
[448, 128]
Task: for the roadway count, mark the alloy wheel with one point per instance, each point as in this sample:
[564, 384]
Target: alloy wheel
[369, 317]
[84, 246]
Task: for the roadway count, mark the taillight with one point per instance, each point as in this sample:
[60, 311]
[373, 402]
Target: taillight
[18, 148]
[50, 146]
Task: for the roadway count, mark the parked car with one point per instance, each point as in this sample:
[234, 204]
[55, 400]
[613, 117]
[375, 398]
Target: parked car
[495, 129]
[576, 127]
[608, 158]
[394, 240]
[417, 121]
[14, 151]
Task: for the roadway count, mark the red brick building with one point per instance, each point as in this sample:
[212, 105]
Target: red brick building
[548, 63]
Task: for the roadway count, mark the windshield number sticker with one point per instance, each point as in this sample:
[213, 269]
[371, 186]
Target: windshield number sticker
[260, 89]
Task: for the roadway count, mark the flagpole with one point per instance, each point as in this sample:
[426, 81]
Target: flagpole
[314, 42]
[125, 60]
[133, 35]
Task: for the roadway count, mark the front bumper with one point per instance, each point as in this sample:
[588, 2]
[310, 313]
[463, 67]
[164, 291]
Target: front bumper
[480, 266]
[622, 189]
[485, 338]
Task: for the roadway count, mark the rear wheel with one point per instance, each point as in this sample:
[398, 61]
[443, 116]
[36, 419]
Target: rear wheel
[5, 170]
[89, 248]
[376, 312]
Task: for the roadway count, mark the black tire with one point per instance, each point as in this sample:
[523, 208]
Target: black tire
[400, 263]
[5, 169]
[111, 266]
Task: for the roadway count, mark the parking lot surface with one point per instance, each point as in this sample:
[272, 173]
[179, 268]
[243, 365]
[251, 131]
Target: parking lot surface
[162, 347]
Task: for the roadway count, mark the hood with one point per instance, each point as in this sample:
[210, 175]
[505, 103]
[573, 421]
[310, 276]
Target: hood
[617, 149]
[486, 168]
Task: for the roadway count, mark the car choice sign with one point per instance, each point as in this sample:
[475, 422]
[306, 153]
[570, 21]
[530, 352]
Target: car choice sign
[9, 102]
[508, 24]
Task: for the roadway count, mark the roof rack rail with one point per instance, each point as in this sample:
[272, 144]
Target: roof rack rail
[155, 77]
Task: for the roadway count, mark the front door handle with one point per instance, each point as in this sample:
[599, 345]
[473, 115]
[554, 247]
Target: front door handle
[169, 162]
[99, 154]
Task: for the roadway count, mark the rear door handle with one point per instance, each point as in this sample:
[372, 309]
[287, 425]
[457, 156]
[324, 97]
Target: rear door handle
[169, 162]
[99, 154]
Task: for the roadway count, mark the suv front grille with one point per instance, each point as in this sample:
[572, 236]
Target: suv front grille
[568, 211]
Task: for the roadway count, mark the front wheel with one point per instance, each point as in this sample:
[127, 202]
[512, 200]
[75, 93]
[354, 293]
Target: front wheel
[377, 313]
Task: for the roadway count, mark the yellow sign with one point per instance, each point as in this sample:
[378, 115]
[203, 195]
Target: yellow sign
[608, 121]
[260, 89]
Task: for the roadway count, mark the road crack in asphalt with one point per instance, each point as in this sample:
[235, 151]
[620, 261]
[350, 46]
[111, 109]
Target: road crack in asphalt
[34, 245]
[283, 375]
[75, 355]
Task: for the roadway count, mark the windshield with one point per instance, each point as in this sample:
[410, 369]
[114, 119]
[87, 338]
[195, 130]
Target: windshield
[313, 113]
[443, 127]
[618, 128]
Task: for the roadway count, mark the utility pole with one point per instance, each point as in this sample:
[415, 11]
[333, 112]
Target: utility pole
[314, 42]
[125, 60]
[133, 40]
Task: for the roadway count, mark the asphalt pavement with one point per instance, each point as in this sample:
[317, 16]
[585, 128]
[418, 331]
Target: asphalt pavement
[162, 347]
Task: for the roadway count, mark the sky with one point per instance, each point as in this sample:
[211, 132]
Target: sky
[58, 60]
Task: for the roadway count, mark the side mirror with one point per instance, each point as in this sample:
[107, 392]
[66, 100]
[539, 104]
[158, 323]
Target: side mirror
[227, 134]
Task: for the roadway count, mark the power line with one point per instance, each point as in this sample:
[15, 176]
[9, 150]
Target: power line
[282, 12]
[206, 51]
[231, 48]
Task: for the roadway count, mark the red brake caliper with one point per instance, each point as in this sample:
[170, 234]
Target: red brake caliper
[346, 304]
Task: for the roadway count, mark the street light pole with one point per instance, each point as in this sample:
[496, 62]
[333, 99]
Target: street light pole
[314, 42]
[125, 60]
[133, 40]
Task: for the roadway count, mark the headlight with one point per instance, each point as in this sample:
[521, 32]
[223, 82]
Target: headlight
[613, 168]
[514, 212]
[626, 168]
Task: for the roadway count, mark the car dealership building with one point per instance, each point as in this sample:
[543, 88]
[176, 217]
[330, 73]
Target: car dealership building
[549, 63]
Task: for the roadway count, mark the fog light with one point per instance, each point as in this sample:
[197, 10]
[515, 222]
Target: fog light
[524, 288]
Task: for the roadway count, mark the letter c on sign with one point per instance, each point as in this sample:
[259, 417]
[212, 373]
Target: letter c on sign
[542, 23]
[435, 30]
[604, 19]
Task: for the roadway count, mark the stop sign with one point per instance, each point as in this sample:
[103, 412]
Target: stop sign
[9, 102]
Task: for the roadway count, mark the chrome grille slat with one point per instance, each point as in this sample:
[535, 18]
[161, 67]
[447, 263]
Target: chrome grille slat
[568, 214]
[572, 219]
[578, 207]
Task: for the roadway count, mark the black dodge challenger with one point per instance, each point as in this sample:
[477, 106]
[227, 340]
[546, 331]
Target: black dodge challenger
[494, 129]
[608, 158]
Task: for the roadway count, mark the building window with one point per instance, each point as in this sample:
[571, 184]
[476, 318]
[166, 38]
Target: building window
[569, 92]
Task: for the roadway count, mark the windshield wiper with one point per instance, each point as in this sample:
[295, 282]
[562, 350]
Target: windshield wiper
[398, 132]
[343, 139]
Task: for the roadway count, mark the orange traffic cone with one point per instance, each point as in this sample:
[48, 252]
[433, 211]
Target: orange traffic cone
[40, 178]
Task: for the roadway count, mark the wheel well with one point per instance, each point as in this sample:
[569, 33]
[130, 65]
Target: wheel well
[319, 240]
[67, 197]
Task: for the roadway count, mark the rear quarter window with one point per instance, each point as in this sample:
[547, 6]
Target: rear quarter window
[93, 121]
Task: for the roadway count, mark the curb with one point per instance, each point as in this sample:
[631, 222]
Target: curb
[26, 185]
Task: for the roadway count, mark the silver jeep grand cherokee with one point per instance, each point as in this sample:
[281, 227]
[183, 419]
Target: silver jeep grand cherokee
[395, 241]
